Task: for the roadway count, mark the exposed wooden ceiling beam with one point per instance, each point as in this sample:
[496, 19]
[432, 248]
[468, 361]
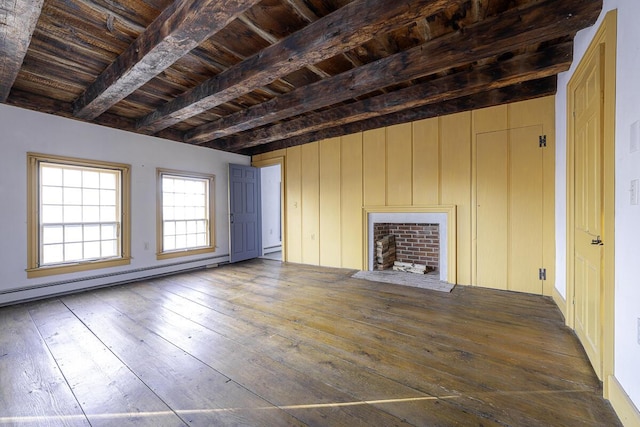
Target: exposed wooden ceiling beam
[273, 40]
[303, 10]
[43, 104]
[310, 16]
[529, 66]
[519, 92]
[544, 21]
[176, 31]
[17, 22]
[337, 32]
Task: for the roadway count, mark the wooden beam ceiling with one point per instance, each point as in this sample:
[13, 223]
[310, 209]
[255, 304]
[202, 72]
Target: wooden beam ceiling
[18, 19]
[175, 32]
[522, 68]
[501, 34]
[43, 104]
[344, 29]
[252, 76]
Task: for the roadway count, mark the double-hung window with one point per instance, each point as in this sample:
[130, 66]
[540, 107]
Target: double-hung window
[78, 214]
[185, 213]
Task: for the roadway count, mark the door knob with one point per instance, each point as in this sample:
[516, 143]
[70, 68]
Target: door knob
[597, 241]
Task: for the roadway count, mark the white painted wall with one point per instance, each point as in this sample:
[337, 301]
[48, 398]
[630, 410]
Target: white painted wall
[270, 192]
[627, 217]
[23, 130]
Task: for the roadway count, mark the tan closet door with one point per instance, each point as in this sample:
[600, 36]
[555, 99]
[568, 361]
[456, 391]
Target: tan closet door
[526, 202]
[509, 211]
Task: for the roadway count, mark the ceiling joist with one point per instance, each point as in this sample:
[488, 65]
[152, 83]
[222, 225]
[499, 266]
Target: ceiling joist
[249, 76]
[522, 68]
[335, 33]
[17, 22]
[175, 32]
[501, 34]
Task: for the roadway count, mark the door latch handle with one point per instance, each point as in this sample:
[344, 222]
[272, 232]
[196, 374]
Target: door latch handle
[231, 218]
[597, 241]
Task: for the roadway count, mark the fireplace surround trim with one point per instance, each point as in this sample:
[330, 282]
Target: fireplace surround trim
[448, 239]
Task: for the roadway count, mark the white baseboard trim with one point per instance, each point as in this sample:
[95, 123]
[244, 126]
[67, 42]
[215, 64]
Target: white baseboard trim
[622, 404]
[67, 286]
[560, 302]
[271, 249]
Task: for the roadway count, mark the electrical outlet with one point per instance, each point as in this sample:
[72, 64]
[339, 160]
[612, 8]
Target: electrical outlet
[634, 189]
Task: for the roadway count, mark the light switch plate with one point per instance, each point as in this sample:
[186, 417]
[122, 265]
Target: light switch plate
[634, 142]
[634, 189]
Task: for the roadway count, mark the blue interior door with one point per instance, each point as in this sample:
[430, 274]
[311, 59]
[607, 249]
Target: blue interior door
[245, 238]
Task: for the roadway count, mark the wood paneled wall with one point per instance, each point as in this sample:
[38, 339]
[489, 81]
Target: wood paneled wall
[427, 162]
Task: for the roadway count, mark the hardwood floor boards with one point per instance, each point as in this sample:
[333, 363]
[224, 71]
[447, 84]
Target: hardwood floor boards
[262, 343]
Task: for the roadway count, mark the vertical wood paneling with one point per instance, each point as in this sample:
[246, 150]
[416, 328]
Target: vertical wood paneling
[490, 119]
[531, 113]
[485, 120]
[433, 161]
[330, 201]
[455, 175]
[399, 165]
[375, 166]
[351, 203]
[310, 203]
[293, 231]
[425, 161]
[492, 209]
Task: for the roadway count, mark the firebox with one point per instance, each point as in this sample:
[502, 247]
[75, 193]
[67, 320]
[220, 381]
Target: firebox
[409, 243]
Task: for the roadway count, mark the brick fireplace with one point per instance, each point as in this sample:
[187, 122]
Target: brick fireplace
[440, 217]
[416, 243]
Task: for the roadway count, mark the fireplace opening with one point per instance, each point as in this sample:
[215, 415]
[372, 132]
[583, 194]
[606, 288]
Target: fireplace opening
[442, 215]
[409, 247]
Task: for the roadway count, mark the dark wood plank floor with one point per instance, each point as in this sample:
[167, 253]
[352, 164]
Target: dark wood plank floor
[268, 344]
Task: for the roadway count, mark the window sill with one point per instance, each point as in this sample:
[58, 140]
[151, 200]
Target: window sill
[185, 252]
[73, 268]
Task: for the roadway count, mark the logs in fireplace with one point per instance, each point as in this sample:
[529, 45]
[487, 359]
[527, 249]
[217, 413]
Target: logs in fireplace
[385, 252]
[406, 247]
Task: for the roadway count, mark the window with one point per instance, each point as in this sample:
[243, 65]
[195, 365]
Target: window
[78, 215]
[185, 214]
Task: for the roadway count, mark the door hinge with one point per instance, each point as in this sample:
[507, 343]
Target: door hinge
[542, 274]
[542, 141]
